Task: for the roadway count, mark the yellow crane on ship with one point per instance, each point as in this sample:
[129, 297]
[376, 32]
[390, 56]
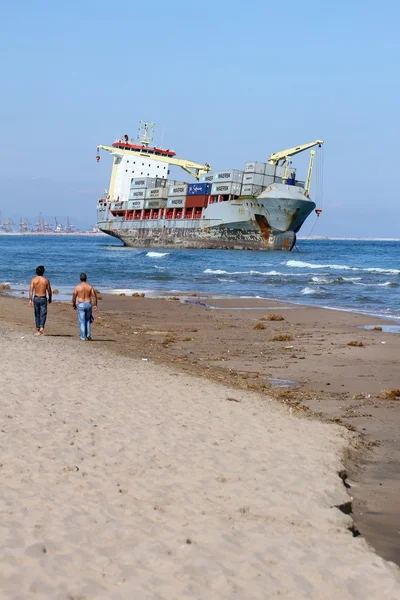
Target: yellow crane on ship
[284, 156]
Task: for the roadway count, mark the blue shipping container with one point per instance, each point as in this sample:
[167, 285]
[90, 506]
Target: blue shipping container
[199, 189]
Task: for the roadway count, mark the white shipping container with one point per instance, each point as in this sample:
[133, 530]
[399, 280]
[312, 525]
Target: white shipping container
[225, 188]
[161, 182]
[268, 180]
[143, 182]
[179, 189]
[137, 194]
[254, 167]
[135, 204]
[269, 169]
[161, 203]
[252, 190]
[253, 178]
[229, 175]
[176, 202]
[207, 177]
[119, 205]
[158, 192]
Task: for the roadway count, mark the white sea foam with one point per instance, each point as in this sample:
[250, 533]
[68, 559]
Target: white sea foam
[321, 280]
[157, 254]
[159, 268]
[351, 278]
[305, 265]
[309, 291]
[221, 272]
[225, 280]
[379, 270]
[386, 284]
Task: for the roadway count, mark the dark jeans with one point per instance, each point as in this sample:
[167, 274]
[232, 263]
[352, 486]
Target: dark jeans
[40, 304]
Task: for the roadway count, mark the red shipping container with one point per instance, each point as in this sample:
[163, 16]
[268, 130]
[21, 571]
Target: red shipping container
[196, 201]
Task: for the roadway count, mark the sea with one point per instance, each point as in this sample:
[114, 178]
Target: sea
[360, 276]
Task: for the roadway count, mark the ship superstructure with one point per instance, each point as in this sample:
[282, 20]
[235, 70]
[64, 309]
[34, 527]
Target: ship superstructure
[262, 206]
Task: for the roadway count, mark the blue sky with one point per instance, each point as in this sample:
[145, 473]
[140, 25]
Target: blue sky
[226, 82]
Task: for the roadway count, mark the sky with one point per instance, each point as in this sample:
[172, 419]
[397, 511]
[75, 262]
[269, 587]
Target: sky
[225, 83]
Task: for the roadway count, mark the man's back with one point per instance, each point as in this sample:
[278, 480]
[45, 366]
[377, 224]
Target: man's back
[84, 292]
[40, 285]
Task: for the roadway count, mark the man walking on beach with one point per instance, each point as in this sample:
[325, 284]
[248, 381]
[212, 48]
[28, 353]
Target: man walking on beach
[39, 295]
[86, 296]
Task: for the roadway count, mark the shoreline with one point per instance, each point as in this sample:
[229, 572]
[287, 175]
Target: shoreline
[66, 294]
[335, 381]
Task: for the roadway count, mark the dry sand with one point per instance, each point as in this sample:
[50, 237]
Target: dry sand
[122, 479]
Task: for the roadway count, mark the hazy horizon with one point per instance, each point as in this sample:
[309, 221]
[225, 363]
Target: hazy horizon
[225, 85]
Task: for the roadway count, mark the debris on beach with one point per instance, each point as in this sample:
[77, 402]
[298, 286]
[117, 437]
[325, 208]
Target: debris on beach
[282, 337]
[391, 395]
[356, 344]
[272, 317]
[259, 326]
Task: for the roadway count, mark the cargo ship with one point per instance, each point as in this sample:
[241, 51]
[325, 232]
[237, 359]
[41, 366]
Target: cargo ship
[261, 207]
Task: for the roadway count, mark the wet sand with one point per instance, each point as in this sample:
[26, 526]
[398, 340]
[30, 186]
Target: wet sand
[232, 345]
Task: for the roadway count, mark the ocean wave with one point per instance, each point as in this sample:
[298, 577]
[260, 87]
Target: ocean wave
[225, 280]
[386, 284]
[305, 265]
[379, 270]
[309, 291]
[252, 272]
[159, 268]
[157, 254]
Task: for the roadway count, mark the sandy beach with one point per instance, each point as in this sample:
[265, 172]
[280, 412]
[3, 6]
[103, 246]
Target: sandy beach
[188, 475]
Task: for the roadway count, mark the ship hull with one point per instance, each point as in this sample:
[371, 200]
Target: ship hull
[269, 222]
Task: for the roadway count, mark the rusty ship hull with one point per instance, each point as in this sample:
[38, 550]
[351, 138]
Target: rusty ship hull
[267, 222]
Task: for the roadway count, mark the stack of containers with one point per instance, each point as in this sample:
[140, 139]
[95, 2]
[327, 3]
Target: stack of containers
[227, 183]
[273, 174]
[177, 195]
[137, 192]
[197, 195]
[253, 178]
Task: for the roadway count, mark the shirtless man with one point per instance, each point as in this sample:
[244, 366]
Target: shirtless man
[39, 295]
[87, 300]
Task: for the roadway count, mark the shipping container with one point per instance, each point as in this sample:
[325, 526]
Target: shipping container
[229, 175]
[161, 203]
[198, 189]
[252, 190]
[230, 187]
[268, 180]
[162, 182]
[176, 202]
[207, 178]
[143, 182]
[157, 192]
[179, 189]
[137, 194]
[197, 201]
[253, 178]
[135, 204]
[270, 169]
[118, 206]
[255, 167]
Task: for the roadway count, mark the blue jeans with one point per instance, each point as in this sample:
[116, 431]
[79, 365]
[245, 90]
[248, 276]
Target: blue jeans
[40, 306]
[84, 316]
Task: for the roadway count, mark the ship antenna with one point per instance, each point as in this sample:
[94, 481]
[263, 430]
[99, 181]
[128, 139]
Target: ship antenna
[145, 133]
